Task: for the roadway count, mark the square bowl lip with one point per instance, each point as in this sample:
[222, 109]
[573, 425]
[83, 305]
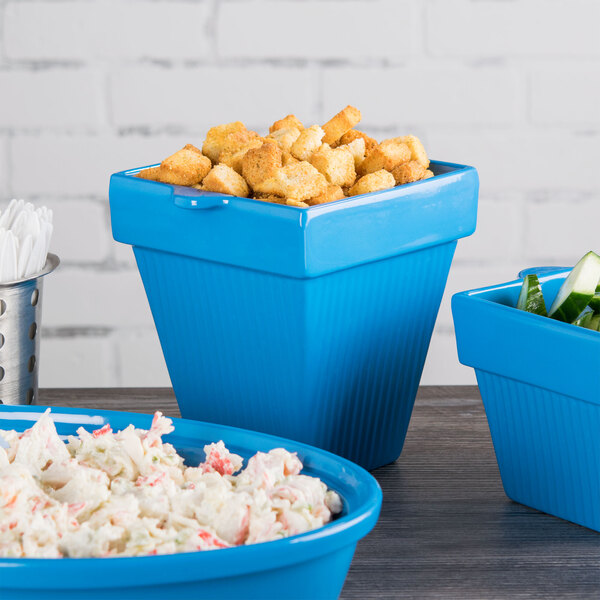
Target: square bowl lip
[479, 295]
[201, 565]
[359, 200]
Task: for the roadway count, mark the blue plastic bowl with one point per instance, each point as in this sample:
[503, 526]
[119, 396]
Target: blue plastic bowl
[308, 566]
[312, 324]
[540, 384]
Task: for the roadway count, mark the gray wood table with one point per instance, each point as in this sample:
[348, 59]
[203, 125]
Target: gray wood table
[446, 528]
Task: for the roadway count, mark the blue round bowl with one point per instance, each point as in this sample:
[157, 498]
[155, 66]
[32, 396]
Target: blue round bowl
[311, 565]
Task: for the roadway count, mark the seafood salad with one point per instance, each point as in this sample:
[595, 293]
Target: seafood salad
[128, 493]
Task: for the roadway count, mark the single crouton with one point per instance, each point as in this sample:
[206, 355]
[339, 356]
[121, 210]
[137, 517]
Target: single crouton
[297, 180]
[333, 192]
[409, 172]
[354, 134]
[269, 198]
[287, 158]
[336, 164]
[285, 137]
[289, 121]
[238, 139]
[357, 149]
[261, 163]
[307, 142]
[225, 180]
[234, 159]
[294, 202]
[216, 138]
[337, 126]
[186, 167]
[417, 150]
[153, 173]
[385, 156]
[373, 182]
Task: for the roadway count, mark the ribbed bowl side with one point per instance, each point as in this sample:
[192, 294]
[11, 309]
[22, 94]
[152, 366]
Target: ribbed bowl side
[369, 329]
[333, 361]
[547, 446]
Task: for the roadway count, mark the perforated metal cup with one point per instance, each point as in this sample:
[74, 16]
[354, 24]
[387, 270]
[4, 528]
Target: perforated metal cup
[20, 320]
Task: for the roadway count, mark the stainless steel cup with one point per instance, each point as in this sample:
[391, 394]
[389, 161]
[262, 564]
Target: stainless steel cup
[20, 321]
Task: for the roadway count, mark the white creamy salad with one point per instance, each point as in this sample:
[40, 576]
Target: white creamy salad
[128, 493]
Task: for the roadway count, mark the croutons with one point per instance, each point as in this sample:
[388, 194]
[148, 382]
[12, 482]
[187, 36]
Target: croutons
[216, 138]
[295, 165]
[385, 156]
[297, 180]
[373, 182]
[333, 192]
[307, 142]
[269, 198]
[237, 140]
[153, 173]
[294, 202]
[354, 134]
[287, 159]
[225, 180]
[186, 167]
[409, 172]
[337, 165]
[417, 150]
[234, 159]
[289, 121]
[261, 163]
[357, 149]
[337, 126]
[285, 137]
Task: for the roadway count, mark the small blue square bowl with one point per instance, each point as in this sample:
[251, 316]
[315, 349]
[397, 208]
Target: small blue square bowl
[540, 384]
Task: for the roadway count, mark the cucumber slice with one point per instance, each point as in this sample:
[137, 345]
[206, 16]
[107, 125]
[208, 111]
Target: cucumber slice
[531, 298]
[577, 290]
[595, 301]
[594, 323]
[585, 318]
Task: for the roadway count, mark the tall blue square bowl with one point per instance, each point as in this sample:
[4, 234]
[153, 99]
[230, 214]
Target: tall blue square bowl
[311, 324]
[540, 384]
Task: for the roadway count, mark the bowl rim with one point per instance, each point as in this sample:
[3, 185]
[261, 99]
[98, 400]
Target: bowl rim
[481, 295]
[110, 572]
[449, 169]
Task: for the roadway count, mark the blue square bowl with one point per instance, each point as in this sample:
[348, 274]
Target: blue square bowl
[312, 324]
[540, 384]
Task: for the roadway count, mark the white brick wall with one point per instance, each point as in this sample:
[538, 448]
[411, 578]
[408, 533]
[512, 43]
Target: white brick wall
[51, 98]
[312, 30]
[89, 87]
[425, 95]
[566, 95]
[75, 31]
[475, 29]
[250, 94]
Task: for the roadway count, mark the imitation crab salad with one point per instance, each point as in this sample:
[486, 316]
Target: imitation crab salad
[128, 493]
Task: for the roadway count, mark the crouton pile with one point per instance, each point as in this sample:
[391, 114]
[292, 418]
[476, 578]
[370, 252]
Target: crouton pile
[295, 165]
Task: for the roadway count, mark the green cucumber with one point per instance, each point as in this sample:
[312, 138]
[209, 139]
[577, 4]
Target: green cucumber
[585, 318]
[531, 298]
[594, 323]
[577, 290]
[595, 301]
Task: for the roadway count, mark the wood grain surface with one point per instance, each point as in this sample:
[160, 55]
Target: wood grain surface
[446, 529]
